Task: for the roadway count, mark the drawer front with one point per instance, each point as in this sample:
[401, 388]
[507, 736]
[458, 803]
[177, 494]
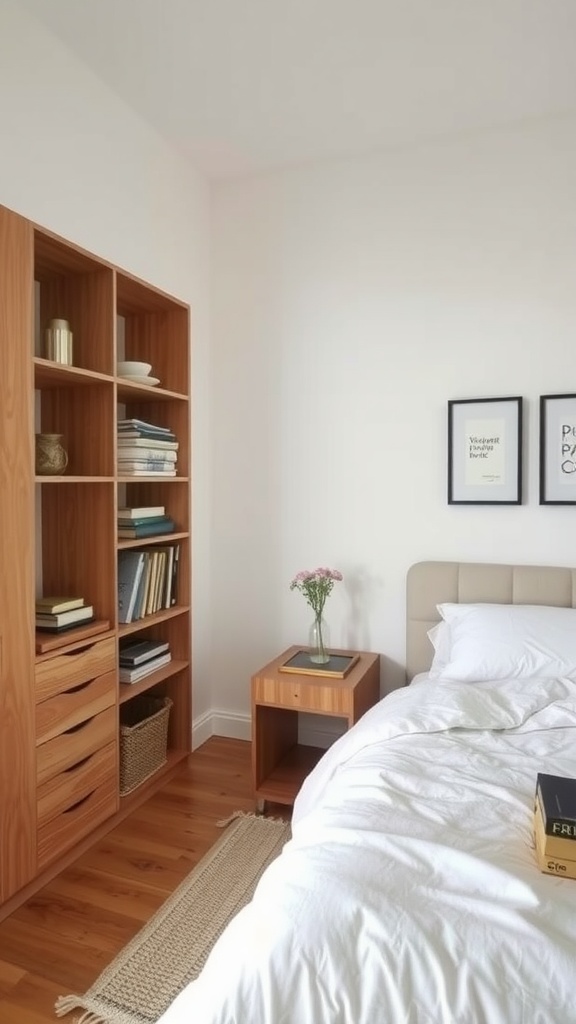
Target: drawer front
[74, 705]
[56, 675]
[74, 783]
[291, 692]
[76, 821]
[68, 748]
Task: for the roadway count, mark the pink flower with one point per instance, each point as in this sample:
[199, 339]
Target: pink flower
[316, 586]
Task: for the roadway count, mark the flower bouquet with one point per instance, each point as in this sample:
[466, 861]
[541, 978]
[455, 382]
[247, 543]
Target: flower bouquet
[317, 585]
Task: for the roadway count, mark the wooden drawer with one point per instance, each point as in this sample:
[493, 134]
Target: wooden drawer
[70, 707]
[74, 783]
[68, 748]
[76, 821]
[292, 692]
[55, 675]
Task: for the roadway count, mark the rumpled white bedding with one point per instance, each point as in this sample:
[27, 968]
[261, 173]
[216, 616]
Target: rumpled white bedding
[409, 893]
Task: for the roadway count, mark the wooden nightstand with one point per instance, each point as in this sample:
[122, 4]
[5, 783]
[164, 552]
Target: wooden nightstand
[279, 762]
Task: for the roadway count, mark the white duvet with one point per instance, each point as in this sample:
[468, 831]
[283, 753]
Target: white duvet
[410, 891]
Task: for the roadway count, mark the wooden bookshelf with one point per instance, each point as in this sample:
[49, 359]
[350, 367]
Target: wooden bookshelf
[59, 536]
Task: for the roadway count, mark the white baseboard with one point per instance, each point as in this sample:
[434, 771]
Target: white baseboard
[313, 731]
[231, 724]
[201, 729]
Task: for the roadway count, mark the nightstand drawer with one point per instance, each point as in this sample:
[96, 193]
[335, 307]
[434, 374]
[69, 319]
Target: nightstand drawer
[320, 697]
[66, 670]
[61, 713]
[75, 821]
[74, 783]
[80, 741]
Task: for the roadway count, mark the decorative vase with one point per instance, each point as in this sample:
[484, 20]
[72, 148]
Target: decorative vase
[58, 342]
[319, 641]
[51, 457]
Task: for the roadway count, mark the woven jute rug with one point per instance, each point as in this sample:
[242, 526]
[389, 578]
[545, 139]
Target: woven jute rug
[171, 949]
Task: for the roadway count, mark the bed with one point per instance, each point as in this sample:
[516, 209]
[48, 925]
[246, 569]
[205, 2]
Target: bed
[409, 892]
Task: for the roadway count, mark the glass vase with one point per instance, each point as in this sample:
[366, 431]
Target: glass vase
[319, 641]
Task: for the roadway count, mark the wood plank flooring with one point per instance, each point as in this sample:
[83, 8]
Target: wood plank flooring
[63, 937]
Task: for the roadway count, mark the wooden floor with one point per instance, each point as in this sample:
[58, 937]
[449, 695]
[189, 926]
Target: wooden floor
[61, 939]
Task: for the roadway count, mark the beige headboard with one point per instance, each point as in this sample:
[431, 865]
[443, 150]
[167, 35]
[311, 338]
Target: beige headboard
[431, 583]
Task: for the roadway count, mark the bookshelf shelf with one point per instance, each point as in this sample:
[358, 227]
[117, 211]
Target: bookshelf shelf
[60, 536]
[152, 620]
[164, 538]
[130, 690]
[48, 374]
[128, 390]
[69, 479]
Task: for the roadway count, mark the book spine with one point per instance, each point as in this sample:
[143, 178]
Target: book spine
[140, 659]
[142, 443]
[142, 424]
[130, 524]
[174, 581]
[129, 572]
[152, 511]
[147, 435]
[122, 471]
[134, 532]
[61, 618]
[146, 455]
[160, 463]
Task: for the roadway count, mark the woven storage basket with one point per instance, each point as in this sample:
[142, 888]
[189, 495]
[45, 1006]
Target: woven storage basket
[143, 740]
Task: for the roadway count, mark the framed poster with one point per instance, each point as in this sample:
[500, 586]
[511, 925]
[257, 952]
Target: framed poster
[485, 451]
[558, 449]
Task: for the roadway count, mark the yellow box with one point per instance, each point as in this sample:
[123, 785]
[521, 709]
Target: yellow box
[551, 864]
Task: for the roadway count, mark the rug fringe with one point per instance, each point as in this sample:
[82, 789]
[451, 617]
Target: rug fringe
[65, 1004]
[232, 817]
[250, 814]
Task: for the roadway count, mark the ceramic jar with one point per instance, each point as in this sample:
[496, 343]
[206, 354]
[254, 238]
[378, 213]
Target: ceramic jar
[51, 456]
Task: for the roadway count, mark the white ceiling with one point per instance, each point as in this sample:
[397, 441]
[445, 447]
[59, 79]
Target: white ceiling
[247, 85]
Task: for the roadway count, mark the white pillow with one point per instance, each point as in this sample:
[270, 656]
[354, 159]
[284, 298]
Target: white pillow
[505, 641]
[439, 637]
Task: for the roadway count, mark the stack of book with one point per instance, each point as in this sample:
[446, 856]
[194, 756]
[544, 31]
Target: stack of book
[555, 825]
[146, 449]
[147, 521]
[147, 581]
[139, 658]
[54, 614]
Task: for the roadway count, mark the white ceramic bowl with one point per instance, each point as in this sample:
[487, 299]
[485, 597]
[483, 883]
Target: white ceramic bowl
[130, 369]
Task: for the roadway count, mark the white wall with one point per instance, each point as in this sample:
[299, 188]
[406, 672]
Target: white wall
[352, 300]
[78, 161]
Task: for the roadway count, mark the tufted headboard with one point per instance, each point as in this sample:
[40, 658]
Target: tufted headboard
[432, 583]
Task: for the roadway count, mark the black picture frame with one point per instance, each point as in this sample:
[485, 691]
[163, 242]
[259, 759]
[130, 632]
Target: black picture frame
[558, 449]
[485, 451]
